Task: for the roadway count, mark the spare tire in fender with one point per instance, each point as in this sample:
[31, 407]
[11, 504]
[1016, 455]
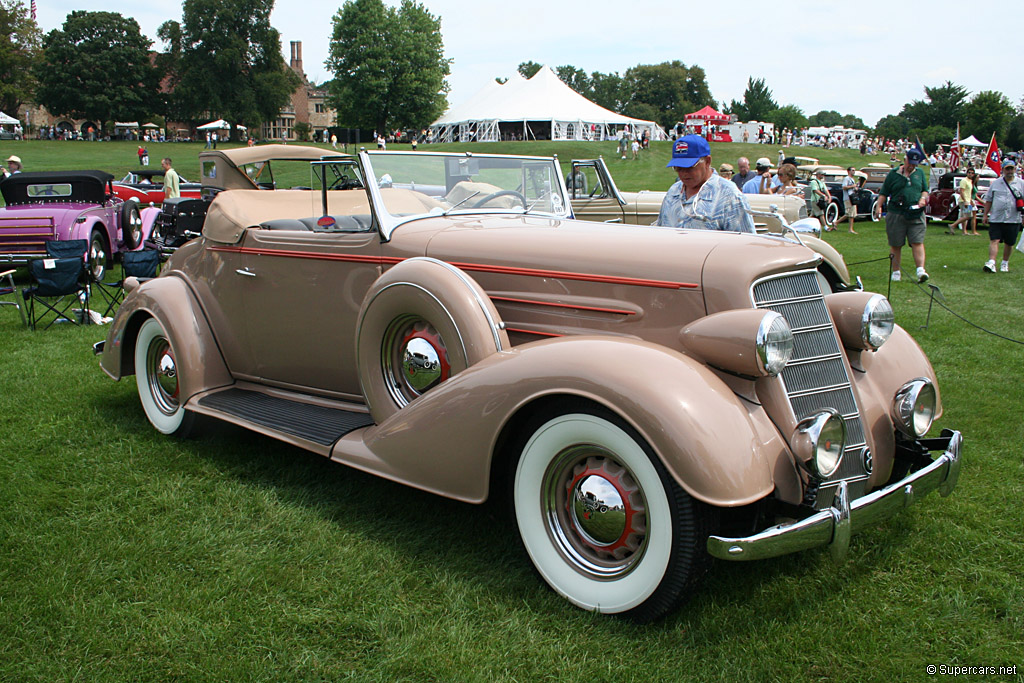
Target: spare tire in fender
[422, 322]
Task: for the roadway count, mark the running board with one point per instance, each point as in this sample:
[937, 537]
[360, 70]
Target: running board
[281, 417]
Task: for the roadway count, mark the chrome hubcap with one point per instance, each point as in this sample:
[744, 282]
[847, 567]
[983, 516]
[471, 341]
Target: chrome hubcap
[421, 364]
[414, 358]
[163, 376]
[595, 511]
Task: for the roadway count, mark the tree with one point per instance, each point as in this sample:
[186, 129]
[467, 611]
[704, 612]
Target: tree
[988, 112]
[389, 65]
[789, 116]
[825, 119]
[229, 62]
[607, 90]
[943, 106]
[664, 92]
[576, 79]
[97, 67]
[20, 41]
[935, 135]
[529, 69]
[892, 127]
[757, 102]
[302, 130]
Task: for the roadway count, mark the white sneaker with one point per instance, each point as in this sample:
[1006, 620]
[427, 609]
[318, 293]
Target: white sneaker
[1004, 267]
[921, 275]
[895, 276]
[990, 266]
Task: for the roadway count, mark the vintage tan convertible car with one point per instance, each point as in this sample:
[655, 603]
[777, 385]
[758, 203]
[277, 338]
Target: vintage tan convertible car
[595, 197]
[643, 399]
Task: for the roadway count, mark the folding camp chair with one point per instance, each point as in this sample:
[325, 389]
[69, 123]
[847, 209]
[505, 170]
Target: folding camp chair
[143, 265]
[9, 289]
[59, 285]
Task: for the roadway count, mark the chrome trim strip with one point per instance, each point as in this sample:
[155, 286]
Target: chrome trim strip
[831, 527]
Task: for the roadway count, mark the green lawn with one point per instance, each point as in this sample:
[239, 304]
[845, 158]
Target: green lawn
[125, 555]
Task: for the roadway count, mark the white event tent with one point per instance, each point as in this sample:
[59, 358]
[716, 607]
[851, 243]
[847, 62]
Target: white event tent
[540, 108]
[9, 120]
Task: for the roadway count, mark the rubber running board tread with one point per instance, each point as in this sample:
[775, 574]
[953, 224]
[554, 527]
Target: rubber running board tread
[314, 423]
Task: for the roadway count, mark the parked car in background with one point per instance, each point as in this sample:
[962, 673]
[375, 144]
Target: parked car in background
[875, 173]
[242, 168]
[146, 187]
[943, 193]
[69, 205]
[643, 398]
[594, 197]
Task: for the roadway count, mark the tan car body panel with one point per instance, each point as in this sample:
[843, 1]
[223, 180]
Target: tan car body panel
[563, 279]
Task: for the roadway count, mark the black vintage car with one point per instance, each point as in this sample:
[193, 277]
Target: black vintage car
[180, 219]
[865, 200]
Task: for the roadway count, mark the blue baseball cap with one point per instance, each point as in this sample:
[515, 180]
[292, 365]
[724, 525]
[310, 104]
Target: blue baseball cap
[688, 150]
[914, 156]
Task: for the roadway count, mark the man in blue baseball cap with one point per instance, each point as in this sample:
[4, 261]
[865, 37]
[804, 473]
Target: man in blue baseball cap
[904, 195]
[701, 199]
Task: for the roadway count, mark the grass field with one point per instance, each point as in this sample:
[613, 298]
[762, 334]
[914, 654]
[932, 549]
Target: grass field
[125, 555]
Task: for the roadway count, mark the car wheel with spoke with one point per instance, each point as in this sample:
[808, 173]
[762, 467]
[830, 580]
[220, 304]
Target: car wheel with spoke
[99, 256]
[603, 522]
[131, 224]
[876, 211]
[156, 375]
[831, 214]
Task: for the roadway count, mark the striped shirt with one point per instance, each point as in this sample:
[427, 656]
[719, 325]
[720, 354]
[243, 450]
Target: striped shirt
[718, 205]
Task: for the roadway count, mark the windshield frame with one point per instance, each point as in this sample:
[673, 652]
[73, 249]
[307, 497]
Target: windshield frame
[389, 222]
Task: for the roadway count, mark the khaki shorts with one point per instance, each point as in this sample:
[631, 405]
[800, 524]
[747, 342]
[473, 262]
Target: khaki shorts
[851, 209]
[901, 229]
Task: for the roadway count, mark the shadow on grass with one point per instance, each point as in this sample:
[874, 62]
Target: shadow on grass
[479, 543]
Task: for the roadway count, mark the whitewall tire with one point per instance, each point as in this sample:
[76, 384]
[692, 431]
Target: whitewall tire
[602, 520]
[156, 375]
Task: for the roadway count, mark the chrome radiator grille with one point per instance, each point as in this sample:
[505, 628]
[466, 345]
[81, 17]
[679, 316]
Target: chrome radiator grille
[816, 377]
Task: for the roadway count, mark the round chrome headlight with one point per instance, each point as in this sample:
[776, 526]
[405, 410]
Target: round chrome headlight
[819, 442]
[774, 343]
[877, 322]
[913, 407]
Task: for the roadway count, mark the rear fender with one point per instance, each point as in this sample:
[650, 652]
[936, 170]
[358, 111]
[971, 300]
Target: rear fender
[197, 356]
[711, 441]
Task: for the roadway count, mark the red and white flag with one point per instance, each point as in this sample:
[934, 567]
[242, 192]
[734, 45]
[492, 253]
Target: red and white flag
[33, 10]
[954, 151]
[992, 158]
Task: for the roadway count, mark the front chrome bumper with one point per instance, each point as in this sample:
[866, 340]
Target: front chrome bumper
[833, 527]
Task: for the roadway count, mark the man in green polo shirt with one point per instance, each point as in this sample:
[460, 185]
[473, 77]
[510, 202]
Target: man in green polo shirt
[905, 193]
[172, 183]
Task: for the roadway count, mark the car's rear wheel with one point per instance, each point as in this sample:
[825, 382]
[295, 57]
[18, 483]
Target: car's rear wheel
[602, 520]
[99, 255]
[831, 214]
[156, 375]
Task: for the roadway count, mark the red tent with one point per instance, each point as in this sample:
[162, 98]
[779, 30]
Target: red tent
[709, 115]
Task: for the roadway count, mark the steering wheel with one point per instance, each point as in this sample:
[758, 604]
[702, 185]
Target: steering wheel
[346, 183]
[500, 193]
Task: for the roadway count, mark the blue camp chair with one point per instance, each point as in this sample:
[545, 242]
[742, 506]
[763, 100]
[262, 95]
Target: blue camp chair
[143, 265]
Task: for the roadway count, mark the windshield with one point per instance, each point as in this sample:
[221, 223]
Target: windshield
[413, 184]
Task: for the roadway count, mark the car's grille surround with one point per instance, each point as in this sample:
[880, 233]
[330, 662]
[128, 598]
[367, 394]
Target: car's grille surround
[817, 376]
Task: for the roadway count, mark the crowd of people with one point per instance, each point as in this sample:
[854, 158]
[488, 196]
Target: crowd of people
[704, 198]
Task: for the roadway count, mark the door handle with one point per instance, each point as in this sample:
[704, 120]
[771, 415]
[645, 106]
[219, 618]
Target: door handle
[246, 272]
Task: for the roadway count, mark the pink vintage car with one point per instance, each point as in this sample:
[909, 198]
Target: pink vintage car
[69, 205]
[642, 399]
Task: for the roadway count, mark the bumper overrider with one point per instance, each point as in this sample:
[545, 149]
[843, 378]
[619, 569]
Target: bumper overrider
[834, 526]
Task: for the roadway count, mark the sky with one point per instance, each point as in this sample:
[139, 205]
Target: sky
[866, 58]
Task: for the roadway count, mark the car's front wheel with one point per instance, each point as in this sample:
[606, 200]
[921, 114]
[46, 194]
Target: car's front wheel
[603, 521]
[157, 377]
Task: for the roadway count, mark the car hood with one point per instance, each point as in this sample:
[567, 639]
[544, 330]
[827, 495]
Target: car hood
[724, 264]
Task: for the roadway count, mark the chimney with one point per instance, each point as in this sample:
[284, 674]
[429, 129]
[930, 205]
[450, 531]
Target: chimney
[296, 62]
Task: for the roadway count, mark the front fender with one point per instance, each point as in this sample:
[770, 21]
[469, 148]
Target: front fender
[168, 299]
[710, 440]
